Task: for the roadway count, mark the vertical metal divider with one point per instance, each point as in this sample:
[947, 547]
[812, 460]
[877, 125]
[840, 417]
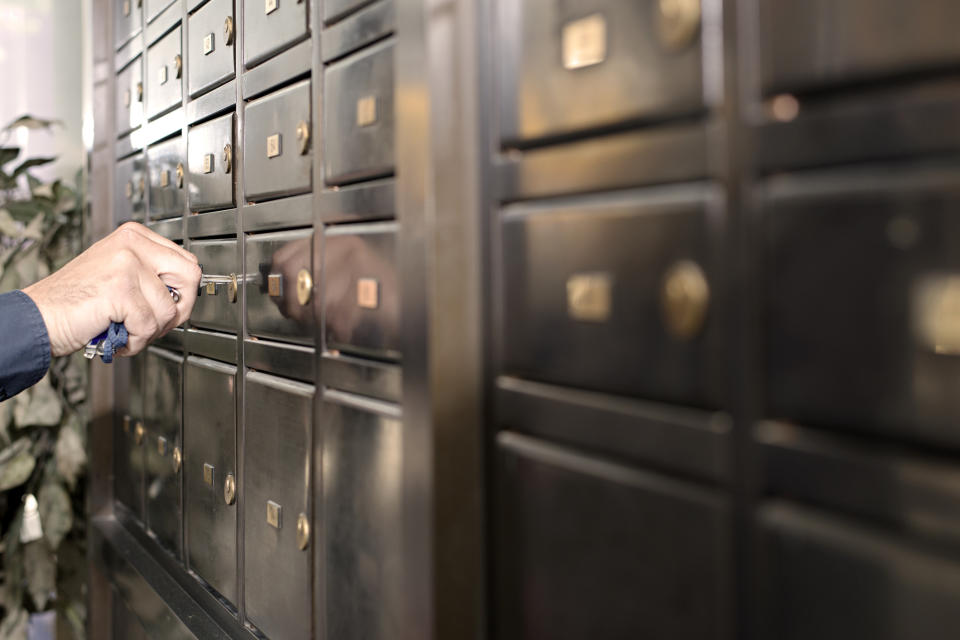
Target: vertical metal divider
[438, 196]
[185, 211]
[742, 314]
[489, 234]
[241, 383]
[317, 582]
[102, 382]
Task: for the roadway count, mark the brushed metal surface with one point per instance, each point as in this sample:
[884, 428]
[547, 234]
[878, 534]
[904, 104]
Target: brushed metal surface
[211, 57]
[362, 376]
[210, 438]
[129, 187]
[129, 97]
[288, 169]
[850, 319]
[155, 7]
[128, 19]
[352, 253]
[129, 465]
[164, 83]
[839, 570]
[630, 351]
[658, 549]
[362, 480]
[638, 78]
[266, 34]
[166, 162]
[853, 41]
[210, 180]
[371, 23]
[333, 10]
[280, 316]
[682, 440]
[356, 147]
[277, 468]
[220, 259]
[162, 402]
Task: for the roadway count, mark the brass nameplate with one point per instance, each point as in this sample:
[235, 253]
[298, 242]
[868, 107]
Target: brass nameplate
[211, 288]
[270, 6]
[165, 178]
[207, 163]
[590, 296]
[208, 474]
[366, 111]
[126, 98]
[208, 44]
[275, 285]
[273, 514]
[584, 42]
[163, 74]
[126, 8]
[273, 145]
[368, 293]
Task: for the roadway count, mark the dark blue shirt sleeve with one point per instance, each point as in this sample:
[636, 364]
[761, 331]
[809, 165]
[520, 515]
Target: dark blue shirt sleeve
[24, 344]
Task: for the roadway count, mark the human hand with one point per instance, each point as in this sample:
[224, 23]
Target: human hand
[121, 278]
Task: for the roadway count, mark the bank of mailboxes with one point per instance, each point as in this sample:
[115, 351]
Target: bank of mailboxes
[213, 456]
[607, 336]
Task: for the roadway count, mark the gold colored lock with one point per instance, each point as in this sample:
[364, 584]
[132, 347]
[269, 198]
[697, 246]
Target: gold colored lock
[179, 175]
[126, 424]
[139, 432]
[227, 158]
[303, 531]
[303, 136]
[232, 288]
[177, 459]
[228, 31]
[684, 299]
[679, 22]
[178, 65]
[229, 489]
[304, 286]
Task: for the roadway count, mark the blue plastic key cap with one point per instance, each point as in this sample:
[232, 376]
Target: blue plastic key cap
[114, 338]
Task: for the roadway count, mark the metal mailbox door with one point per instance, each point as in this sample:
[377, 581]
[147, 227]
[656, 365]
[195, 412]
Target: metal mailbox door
[279, 286]
[162, 390]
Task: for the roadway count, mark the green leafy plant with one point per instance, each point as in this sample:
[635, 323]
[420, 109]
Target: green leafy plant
[43, 429]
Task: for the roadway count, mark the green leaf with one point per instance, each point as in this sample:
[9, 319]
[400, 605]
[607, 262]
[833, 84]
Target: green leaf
[14, 625]
[8, 154]
[31, 163]
[69, 452]
[16, 471]
[8, 226]
[56, 513]
[12, 451]
[40, 569]
[30, 122]
[42, 410]
[27, 210]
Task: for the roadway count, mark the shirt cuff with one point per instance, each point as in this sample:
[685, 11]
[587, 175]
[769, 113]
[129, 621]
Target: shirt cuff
[24, 344]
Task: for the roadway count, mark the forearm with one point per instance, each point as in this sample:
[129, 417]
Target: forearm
[24, 344]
